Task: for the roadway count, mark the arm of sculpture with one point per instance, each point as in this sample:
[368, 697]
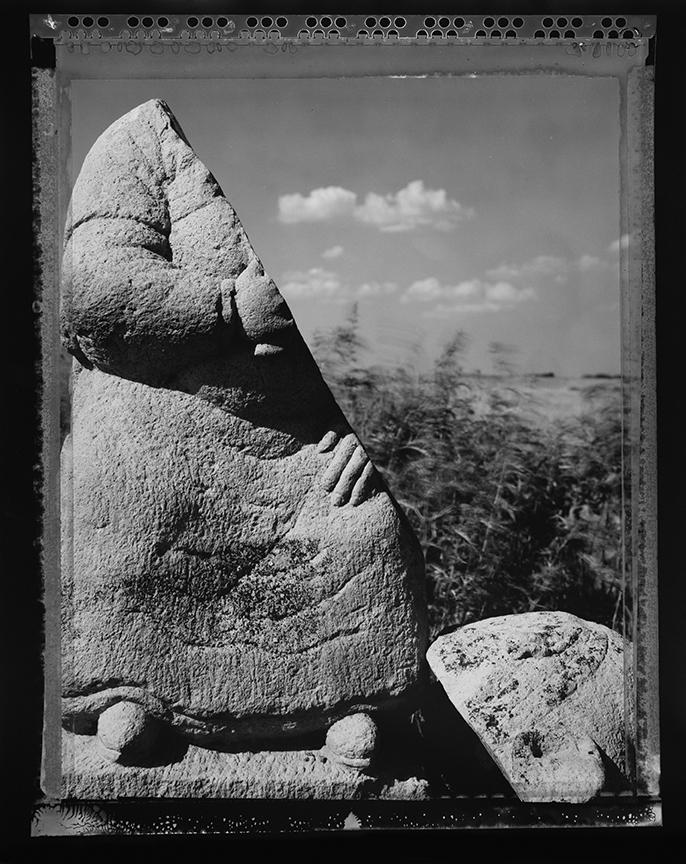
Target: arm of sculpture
[149, 243]
[128, 310]
[350, 475]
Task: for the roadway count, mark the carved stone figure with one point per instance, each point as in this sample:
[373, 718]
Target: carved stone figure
[234, 568]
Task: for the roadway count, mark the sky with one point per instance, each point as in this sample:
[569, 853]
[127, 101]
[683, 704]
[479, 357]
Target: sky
[484, 204]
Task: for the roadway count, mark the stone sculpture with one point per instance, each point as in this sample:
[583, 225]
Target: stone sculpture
[237, 580]
[545, 692]
[234, 569]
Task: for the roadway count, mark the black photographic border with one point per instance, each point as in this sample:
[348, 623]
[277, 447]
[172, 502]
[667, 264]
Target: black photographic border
[24, 600]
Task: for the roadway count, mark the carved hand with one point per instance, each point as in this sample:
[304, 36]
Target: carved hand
[349, 476]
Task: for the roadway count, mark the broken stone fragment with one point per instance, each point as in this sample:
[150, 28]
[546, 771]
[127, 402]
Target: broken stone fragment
[545, 692]
[555, 766]
[232, 561]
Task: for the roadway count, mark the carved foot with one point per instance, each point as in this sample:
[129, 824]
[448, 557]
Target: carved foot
[127, 732]
[352, 741]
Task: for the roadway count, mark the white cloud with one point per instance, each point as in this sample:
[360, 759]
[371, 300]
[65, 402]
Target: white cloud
[472, 295]
[375, 289]
[541, 265]
[315, 282]
[469, 295]
[318, 206]
[431, 288]
[423, 289]
[415, 206]
[549, 267]
[333, 252]
[319, 283]
[505, 293]
[592, 263]
[621, 243]
[589, 262]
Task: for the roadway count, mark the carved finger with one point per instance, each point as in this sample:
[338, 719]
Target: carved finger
[266, 349]
[328, 442]
[349, 476]
[344, 450]
[365, 485]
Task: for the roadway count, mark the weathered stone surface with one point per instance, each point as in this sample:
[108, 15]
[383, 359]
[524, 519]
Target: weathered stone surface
[231, 559]
[545, 693]
[352, 740]
[125, 729]
[205, 773]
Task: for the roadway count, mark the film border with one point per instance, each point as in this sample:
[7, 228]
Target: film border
[600, 35]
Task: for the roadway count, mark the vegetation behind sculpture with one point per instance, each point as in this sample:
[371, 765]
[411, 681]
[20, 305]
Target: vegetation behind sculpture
[513, 515]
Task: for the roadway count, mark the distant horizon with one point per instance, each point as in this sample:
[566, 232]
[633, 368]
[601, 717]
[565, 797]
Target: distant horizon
[488, 204]
[419, 362]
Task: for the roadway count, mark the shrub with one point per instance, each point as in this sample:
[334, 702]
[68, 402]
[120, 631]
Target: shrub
[512, 515]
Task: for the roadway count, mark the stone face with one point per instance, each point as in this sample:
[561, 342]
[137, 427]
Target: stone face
[545, 693]
[232, 561]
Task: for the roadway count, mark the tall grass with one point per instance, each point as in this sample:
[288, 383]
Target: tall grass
[513, 516]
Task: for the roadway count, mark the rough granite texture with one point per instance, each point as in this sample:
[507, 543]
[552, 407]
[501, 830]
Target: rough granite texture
[231, 559]
[352, 740]
[204, 773]
[545, 693]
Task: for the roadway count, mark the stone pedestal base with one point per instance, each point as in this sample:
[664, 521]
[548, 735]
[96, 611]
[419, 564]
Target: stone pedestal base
[87, 773]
